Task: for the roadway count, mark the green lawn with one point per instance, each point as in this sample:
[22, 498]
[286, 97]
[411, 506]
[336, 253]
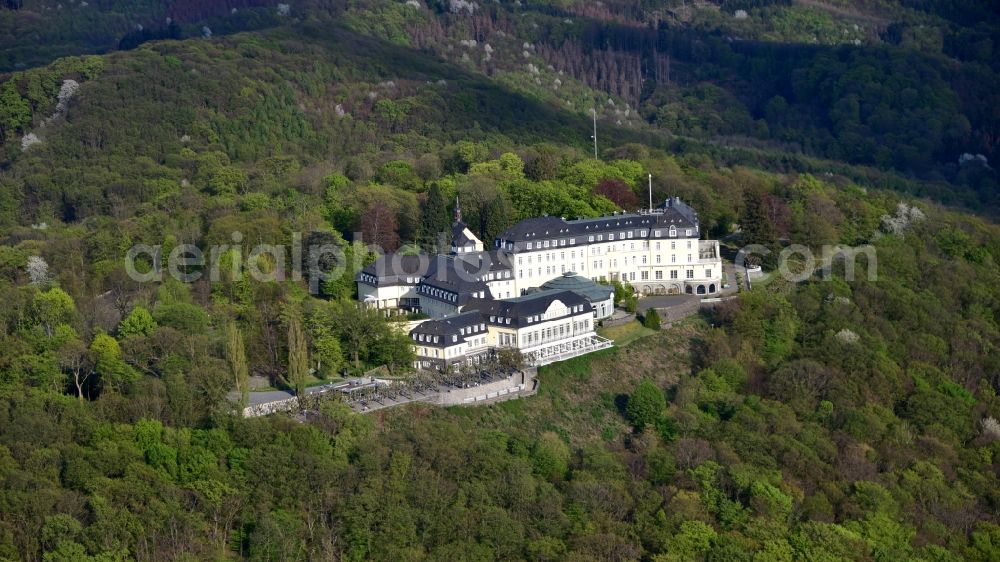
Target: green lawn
[626, 333]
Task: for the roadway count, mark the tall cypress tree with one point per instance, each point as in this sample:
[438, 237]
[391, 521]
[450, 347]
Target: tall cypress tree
[435, 215]
[755, 222]
[298, 356]
[237, 356]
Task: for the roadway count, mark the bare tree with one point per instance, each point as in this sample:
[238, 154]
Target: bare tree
[380, 227]
[75, 359]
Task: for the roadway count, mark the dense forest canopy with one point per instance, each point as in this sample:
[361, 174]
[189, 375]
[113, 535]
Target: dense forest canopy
[894, 86]
[843, 417]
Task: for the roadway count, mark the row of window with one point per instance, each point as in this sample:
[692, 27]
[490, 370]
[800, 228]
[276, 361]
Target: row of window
[494, 319]
[577, 309]
[688, 274]
[438, 293]
[552, 333]
[448, 352]
[475, 329]
[426, 338]
[599, 264]
[595, 251]
[413, 280]
[657, 233]
[560, 331]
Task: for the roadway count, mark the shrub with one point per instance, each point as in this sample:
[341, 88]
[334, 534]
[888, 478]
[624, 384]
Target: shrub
[652, 319]
[646, 405]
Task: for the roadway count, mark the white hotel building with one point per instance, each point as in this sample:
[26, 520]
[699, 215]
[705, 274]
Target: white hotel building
[541, 270]
[545, 326]
[658, 251]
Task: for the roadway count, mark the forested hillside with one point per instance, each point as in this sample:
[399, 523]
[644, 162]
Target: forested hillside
[843, 417]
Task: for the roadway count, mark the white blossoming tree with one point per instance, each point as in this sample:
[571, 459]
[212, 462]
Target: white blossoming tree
[38, 270]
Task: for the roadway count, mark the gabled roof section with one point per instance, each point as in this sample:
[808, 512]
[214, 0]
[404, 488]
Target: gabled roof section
[454, 279]
[523, 310]
[462, 236]
[395, 269]
[672, 213]
[452, 330]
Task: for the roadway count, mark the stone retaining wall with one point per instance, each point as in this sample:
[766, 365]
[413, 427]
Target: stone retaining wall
[521, 384]
[268, 408]
[674, 313]
[610, 322]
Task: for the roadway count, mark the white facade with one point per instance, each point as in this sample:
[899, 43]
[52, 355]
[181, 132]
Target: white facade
[564, 328]
[447, 349]
[387, 297]
[664, 266]
[658, 251]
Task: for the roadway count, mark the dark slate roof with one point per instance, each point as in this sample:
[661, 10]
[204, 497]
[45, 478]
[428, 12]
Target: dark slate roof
[440, 271]
[673, 212]
[586, 288]
[482, 263]
[499, 260]
[542, 226]
[450, 329]
[457, 277]
[520, 309]
[394, 269]
[463, 275]
[458, 237]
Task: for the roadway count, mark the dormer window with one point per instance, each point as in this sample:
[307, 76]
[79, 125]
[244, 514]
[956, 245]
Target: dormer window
[673, 231]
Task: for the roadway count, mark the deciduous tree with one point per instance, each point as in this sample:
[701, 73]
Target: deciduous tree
[139, 322]
[379, 227]
[618, 192]
[645, 405]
